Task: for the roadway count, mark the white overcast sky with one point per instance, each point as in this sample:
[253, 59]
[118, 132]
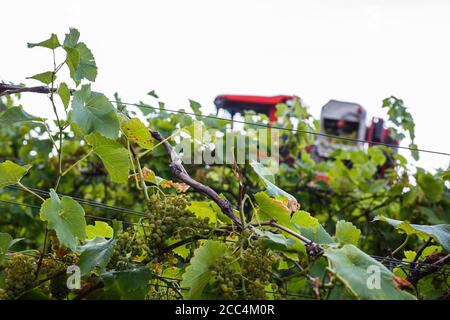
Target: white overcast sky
[354, 50]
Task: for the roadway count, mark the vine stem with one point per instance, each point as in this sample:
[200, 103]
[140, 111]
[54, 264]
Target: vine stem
[401, 246]
[130, 156]
[421, 249]
[180, 173]
[50, 135]
[76, 163]
[140, 155]
[287, 230]
[28, 190]
[141, 175]
[344, 282]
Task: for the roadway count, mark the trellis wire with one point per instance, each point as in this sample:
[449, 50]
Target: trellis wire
[282, 128]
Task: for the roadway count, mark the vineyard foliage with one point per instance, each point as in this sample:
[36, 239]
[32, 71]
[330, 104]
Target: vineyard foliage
[94, 187]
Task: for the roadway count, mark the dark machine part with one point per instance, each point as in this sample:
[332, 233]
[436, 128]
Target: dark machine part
[240, 103]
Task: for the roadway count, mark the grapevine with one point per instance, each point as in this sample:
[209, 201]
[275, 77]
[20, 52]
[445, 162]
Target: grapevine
[105, 207]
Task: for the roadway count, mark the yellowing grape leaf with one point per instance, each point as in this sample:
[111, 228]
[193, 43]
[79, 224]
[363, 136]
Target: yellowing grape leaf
[203, 209]
[272, 189]
[99, 229]
[137, 132]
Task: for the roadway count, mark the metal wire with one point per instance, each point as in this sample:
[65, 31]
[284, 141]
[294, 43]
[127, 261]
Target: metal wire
[282, 128]
[86, 215]
[86, 202]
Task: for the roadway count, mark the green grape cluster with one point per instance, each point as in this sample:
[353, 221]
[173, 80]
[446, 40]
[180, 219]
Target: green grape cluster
[127, 248]
[227, 278]
[55, 269]
[159, 290]
[20, 273]
[245, 276]
[168, 218]
[256, 266]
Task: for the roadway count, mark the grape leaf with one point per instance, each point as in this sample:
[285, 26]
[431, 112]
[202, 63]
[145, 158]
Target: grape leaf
[195, 106]
[136, 131]
[353, 266]
[272, 189]
[71, 39]
[6, 242]
[310, 227]
[81, 62]
[203, 209]
[64, 94]
[272, 209]
[153, 94]
[17, 114]
[66, 217]
[11, 173]
[96, 253]
[86, 68]
[44, 77]
[50, 43]
[440, 232]
[127, 285]
[92, 112]
[275, 240]
[347, 233]
[113, 155]
[446, 175]
[377, 155]
[99, 229]
[433, 187]
[197, 274]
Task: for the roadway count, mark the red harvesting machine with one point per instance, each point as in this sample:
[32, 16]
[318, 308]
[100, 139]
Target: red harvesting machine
[338, 118]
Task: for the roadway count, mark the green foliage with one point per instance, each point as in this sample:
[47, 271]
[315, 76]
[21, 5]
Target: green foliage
[6, 242]
[347, 233]
[96, 254]
[64, 94]
[11, 173]
[351, 266]
[440, 232]
[127, 285]
[271, 188]
[44, 77]
[92, 112]
[99, 229]
[16, 114]
[66, 217]
[198, 273]
[137, 132]
[177, 242]
[113, 155]
[399, 116]
[433, 187]
[51, 43]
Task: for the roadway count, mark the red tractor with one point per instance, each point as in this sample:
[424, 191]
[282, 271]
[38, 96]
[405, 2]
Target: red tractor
[338, 118]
